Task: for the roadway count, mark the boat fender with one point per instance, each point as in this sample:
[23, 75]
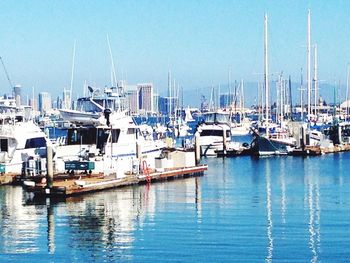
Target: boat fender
[245, 144]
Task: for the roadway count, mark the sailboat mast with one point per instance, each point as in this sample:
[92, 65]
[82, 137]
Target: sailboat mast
[347, 93]
[112, 60]
[71, 79]
[290, 98]
[266, 73]
[301, 94]
[315, 77]
[169, 92]
[229, 100]
[309, 63]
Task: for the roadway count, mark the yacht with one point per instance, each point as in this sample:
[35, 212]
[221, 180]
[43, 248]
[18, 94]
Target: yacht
[215, 126]
[20, 140]
[114, 145]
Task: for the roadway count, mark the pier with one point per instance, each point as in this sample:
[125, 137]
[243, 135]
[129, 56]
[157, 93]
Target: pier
[86, 184]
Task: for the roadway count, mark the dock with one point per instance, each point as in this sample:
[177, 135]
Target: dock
[317, 150]
[87, 184]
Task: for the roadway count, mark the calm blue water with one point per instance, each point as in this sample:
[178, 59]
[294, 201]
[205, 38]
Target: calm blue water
[270, 209]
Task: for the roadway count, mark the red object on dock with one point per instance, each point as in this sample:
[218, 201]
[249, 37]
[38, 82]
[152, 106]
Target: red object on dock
[146, 171]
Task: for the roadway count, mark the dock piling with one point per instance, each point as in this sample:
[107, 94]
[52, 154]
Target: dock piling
[197, 147]
[224, 142]
[49, 163]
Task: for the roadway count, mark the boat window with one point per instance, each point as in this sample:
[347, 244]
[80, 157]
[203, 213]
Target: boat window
[211, 133]
[81, 136]
[222, 118]
[115, 135]
[87, 105]
[209, 118]
[102, 137]
[228, 133]
[35, 143]
[131, 131]
[4, 145]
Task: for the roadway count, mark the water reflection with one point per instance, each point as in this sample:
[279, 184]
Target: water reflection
[104, 221]
[19, 226]
[283, 170]
[269, 212]
[313, 198]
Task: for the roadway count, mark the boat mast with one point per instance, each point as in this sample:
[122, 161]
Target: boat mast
[113, 68]
[290, 98]
[169, 93]
[242, 98]
[266, 80]
[71, 79]
[229, 100]
[301, 95]
[315, 77]
[309, 63]
[347, 93]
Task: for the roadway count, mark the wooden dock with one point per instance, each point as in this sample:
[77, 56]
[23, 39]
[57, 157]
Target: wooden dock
[317, 150]
[86, 184]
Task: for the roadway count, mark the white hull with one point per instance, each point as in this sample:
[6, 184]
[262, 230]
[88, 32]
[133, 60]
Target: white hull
[80, 116]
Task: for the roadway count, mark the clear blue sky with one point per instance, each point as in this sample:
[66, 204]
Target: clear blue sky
[197, 40]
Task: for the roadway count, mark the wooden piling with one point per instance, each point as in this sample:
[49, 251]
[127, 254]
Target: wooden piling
[197, 147]
[49, 166]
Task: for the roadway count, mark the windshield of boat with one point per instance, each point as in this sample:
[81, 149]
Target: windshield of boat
[216, 118]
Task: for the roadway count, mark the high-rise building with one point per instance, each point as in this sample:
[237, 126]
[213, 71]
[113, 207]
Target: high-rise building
[17, 89]
[145, 91]
[66, 99]
[132, 98]
[44, 102]
[33, 104]
[164, 105]
[156, 102]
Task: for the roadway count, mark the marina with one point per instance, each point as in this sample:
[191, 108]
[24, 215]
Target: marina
[241, 205]
[184, 131]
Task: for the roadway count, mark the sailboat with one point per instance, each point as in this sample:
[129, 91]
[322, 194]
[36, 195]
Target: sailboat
[276, 143]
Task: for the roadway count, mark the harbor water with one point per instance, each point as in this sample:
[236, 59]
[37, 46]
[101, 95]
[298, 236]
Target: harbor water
[242, 210]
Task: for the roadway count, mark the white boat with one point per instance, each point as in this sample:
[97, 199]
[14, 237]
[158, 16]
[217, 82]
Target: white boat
[114, 148]
[20, 141]
[212, 131]
[80, 116]
[90, 109]
[241, 128]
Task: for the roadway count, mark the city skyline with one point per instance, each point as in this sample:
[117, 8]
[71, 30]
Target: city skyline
[199, 41]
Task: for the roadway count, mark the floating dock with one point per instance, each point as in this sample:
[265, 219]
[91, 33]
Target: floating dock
[317, 150]
[86, 184]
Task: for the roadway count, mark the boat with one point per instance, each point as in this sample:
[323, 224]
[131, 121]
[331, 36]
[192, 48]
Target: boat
[215, 126]
[20, 141]
[90, 109]
[277, 143]
[115, 144]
